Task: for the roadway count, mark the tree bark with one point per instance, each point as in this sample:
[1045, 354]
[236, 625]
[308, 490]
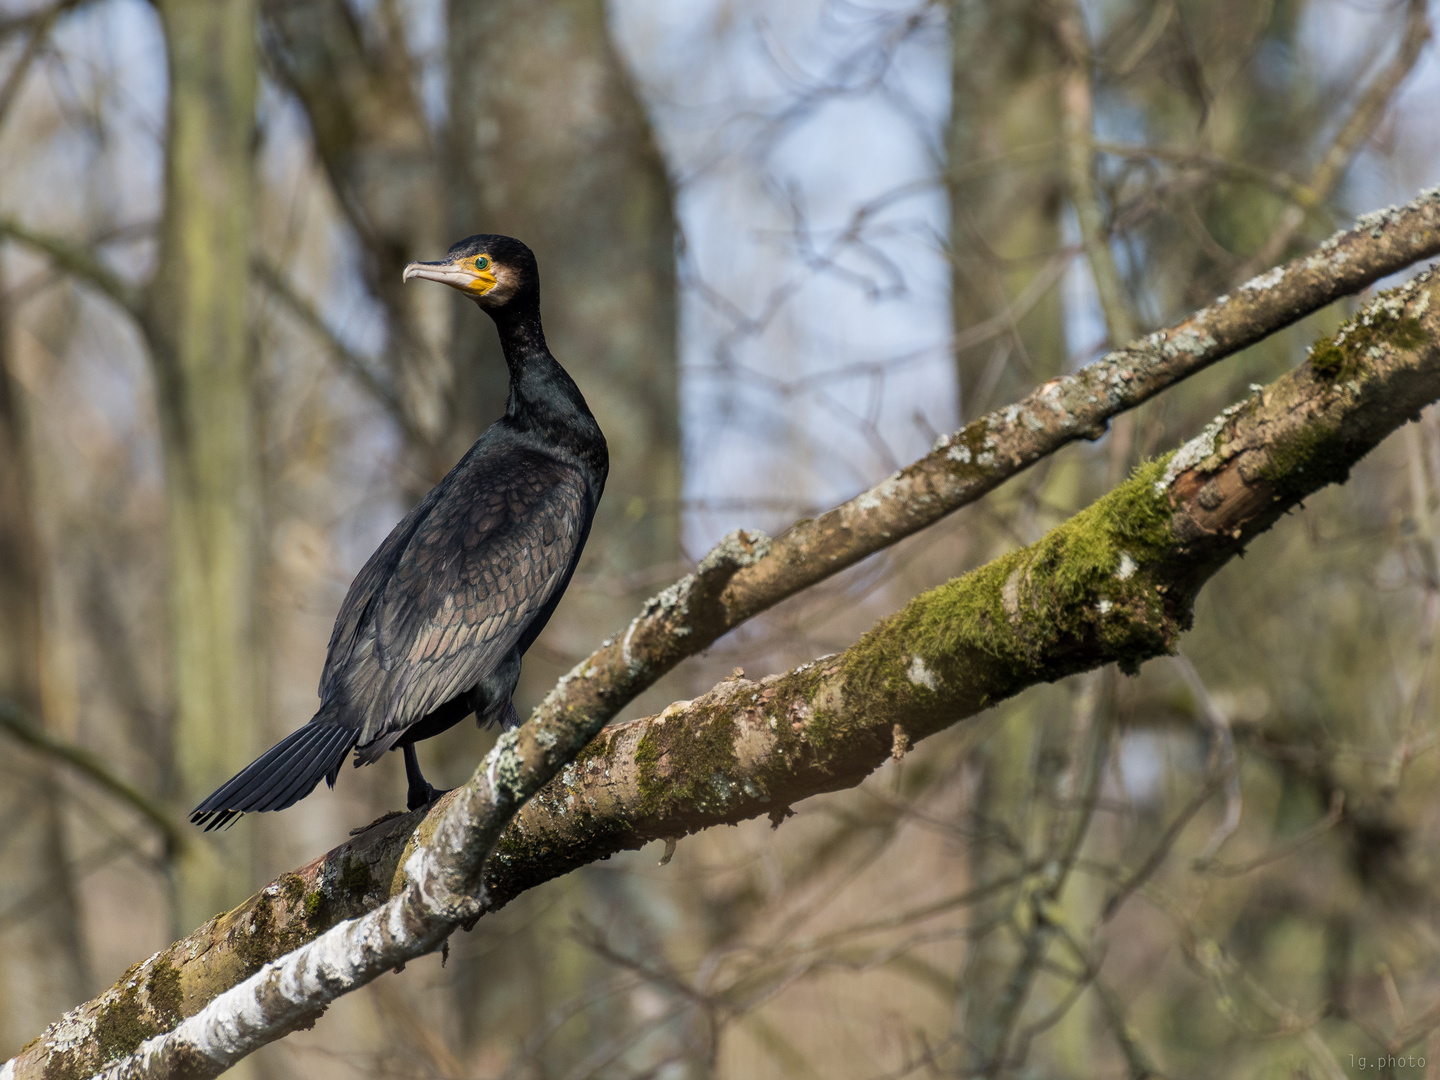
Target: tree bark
[42, 959]
[749, 572]
[194, 313]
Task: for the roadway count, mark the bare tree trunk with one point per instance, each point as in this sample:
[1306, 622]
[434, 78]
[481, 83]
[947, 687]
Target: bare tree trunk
[42, 960]
[194, 314]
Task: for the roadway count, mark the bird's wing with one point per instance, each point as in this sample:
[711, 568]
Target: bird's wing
[468, 581]
[348, 634]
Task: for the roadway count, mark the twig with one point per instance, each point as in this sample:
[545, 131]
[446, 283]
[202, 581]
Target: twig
[1347, 142]
[1275, 180]
[39, 35]
[1137, 1061]
[1157, 855]
[1222, 757]
[1329, 821]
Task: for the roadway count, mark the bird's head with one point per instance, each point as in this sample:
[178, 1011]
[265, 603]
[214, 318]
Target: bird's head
[497, 272]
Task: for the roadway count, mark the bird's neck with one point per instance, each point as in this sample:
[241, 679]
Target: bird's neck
[543, 396]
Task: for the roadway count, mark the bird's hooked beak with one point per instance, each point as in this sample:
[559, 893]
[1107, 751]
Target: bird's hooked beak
[473, 275]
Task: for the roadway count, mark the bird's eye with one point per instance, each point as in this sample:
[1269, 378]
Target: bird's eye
[482, 263]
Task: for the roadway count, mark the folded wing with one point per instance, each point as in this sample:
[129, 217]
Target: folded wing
[463, 584]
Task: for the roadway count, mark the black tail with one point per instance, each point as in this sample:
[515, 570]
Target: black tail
[281, 776]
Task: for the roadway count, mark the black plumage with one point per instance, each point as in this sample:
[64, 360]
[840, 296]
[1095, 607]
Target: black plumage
[436, 622]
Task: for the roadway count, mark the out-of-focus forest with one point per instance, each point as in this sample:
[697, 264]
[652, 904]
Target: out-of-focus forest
[782, 248]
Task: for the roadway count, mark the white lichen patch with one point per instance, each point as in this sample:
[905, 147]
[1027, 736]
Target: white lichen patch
[920, 675]
[880, 494]
[70, 1032]
[1267, 280]
[1196, 450]
[1376, 220]
[502, 767]
[739, 548]
[1331, 242]
[960, 453]
[1192, 341]
[1127, 567]
[1010, 593]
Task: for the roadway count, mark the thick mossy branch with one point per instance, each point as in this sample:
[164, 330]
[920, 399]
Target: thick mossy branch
[1116, 583]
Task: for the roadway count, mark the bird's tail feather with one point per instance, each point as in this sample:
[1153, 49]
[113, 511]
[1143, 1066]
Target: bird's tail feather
[281, 776]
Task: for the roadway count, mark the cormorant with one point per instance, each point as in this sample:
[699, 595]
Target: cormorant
[435, 624]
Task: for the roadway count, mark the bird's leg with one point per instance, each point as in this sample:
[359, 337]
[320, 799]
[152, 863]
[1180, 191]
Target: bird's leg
[420, 792]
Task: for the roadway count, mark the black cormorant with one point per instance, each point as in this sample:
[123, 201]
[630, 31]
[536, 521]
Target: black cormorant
[435, 624]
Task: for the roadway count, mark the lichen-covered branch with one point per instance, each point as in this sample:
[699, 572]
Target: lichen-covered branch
[1115, 583]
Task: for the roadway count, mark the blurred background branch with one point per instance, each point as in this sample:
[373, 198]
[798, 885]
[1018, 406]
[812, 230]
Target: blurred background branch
[24, 731]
